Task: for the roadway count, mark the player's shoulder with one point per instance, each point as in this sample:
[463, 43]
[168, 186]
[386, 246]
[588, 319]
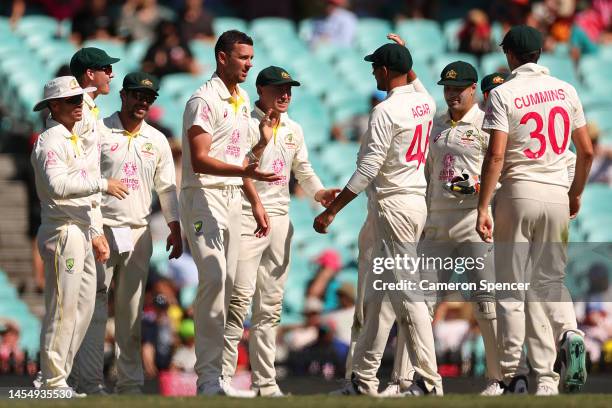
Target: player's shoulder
[155, 135]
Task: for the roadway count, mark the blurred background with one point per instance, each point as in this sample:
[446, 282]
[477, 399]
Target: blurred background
[322, 44]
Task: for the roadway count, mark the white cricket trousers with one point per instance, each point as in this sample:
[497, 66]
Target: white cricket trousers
[131, 270]
[263, 265]
[530, 236]
[402, 367]
[69, 297]
[211, 219]
[398, 220]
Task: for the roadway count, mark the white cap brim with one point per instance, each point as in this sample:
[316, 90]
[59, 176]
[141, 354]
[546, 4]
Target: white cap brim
[80, 91]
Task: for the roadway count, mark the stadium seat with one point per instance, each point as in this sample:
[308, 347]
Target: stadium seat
[422, 36]
[272, 28]
[560, 66]
[36, 24]
[222, 24]
[305, 29]
[371, 33]
[451, 30]
[443, 60]
[203, 52]
[493, 62]
[137, 49]
[114, 49]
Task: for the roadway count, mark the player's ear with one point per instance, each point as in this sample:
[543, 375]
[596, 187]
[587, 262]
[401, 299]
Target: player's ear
[222, 58]
[122, 95]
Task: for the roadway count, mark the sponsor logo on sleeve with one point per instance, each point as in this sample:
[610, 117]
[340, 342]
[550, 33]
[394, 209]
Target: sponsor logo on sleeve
[70, 265]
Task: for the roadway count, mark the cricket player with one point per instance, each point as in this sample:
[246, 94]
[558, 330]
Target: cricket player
[93, 67]
[139, 155]
[456, 151]
[390, 165]
[263, 262]
[65, 186]
[215, 143]
[530, 118]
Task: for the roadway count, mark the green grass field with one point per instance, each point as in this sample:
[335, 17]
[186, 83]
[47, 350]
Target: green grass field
[321, 401]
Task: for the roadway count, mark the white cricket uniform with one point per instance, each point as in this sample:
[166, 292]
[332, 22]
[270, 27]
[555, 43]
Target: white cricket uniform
[65, 187]
[263, 263]
[539, 113]
[87, 375]
[143, 162]
[390, 165]
[210, 210]
[456, 148]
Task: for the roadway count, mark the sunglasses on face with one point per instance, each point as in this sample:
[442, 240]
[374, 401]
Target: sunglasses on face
[143, 97]
[108, 69]
[74, 100]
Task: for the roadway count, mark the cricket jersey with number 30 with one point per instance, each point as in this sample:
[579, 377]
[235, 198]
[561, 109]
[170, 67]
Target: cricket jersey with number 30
[539, 113]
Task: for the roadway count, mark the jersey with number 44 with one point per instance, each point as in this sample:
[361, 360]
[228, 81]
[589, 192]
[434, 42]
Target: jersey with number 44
[392, 156]
[539, 113]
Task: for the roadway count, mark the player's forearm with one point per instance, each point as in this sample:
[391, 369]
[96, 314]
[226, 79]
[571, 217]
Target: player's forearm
[66, 186]
[258, 149]
[215, 167]
[248, 186]
[491, 169]
[581, 174]
[345, 197]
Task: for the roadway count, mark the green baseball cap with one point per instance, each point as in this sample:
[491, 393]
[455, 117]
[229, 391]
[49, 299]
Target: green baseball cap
[458, 73]
[393, 56]
[141, 81]
[492, 80]
[275, 76]
[89, 57]
[522, 39]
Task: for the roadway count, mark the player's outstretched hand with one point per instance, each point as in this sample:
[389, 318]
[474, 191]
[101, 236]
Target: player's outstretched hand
[263, 222]
[323, 221]
[325, 197]
[396, 38]
[100, 248]
[117, 189]
[267, 124]
[174, 241]
[252, 171]
[574, 205]
[484, 226]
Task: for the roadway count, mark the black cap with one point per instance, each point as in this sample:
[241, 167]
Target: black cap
[393, 56]
[275, 76]
[522, 39]
[141, 81]
[458, 73]
[89, 57]
[492, 80]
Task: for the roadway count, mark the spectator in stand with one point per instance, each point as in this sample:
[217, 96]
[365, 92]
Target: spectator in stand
[324, 285]
[169, 53]
[195, 22]
[184, 357]
[95, 20]
[338, 26]
[601, 169]
[157, 338]
[139, 19]
[12, 358]
[60, 10]
[597, 328]
[475, 35]
[591, 28]
[342, 318]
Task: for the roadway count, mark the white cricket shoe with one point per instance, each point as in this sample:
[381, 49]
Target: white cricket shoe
[493, 389]
[546, 390]
[223, 387]
[393, 390]
[38, 380]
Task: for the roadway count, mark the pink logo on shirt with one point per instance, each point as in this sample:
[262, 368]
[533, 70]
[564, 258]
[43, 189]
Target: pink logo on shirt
[51, 159]
[278, 165]
[225, 114]
[235, 138]
[205, 113]
[114, 147]
[83, 173]
[130, 169]
[448, 171]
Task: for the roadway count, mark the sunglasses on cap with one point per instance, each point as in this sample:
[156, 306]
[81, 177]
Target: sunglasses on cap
[143, 96]
[74, 100]
[108, 69]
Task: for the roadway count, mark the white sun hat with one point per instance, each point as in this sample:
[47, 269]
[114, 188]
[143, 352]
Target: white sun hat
[61, 87]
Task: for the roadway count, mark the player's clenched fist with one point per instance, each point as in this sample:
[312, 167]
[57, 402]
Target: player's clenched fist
[325, 197]
[117, 189]
[323, 221]
[484, 226]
